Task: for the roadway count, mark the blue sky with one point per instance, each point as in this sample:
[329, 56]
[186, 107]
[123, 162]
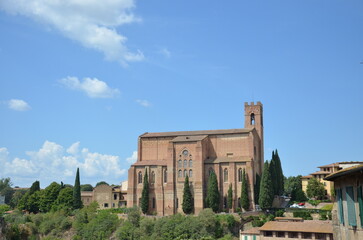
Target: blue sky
[81, 80]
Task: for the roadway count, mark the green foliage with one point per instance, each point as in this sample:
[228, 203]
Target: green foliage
[4, 208]
[6, 189]
[48, 196]
[245, 203]
[315, 189]
[187, 204]
[314, 202]
[86, 187]
[279, 175]
[213, 197]
[293, 188]
[303, 214]
[35, 187]
[266, 189]
[145, 194]
[77, 201]
[102, 183]
[230, 197]
[273, 173]
[327, 207]
[279, 213]
[18, 194]
[64, 199]
[257, 188]
[133, 216]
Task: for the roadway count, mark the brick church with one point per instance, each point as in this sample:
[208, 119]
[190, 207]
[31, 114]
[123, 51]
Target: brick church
[169, 157]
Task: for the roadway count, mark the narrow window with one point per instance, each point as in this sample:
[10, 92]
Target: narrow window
[351, 208]
[165, 176]
[225, 175]
[115, 196]
[152, 177]
[154, 203]
[113, 205]
[185, 173]
[185, 163]
[177, 203]
[105, 205]
[340, 205]
[179, 163]
[240, 175]
[139, 179]
[190, 163]
[180, 173]
[224, 202]
[252, 119]
[190, 173]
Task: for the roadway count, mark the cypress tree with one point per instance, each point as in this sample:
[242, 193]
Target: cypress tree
[35, 187]
[279, 174]
[266, 192]
[245, 203]
[273, 173]
[145, 194]
[257, 188]
[77, 201]
[230, 197]
[187, 197]
[213, 198]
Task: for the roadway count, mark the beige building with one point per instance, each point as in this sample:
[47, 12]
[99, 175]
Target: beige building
[325, 171]
[290, 229]
[348, 206]
[169, 157]
[106, 196]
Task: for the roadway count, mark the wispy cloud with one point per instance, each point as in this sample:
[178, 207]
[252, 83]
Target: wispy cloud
[144, 103]
[133, 158]
[93, 87]
[92, 23]
[165, 52]
[18, 105]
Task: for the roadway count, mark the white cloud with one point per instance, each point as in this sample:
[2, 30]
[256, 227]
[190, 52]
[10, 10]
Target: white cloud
[133, 158]
[18, 105]
[165, 52]
[90, 22]
[93, 87]
[144, 103]
[53, 162]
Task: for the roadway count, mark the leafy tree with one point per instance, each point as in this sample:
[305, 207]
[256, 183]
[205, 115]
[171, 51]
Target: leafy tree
[315, 189]
[213, 197]
[279, 174]
[245, 203]
[257, 188]
[35, 187]
[187, 204]
[65, 198]
[134, 216]
[230, 197]
[33, 203]
[6, 189]
[266, 191]
[77, 201]
[102, 183]
[145, 194]
[293, 188]
[4, 208]
[18, 194]
[23, 203]
[48, 196]
[86, 187]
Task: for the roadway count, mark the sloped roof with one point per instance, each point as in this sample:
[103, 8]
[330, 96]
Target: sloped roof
[254, 231]
[150, 163]
[200, 132]
[320, 172]
[344, 172]
[313, 226]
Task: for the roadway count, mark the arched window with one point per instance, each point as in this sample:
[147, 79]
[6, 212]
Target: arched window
[185, 163]
[152, 177]
[165, 176]
[154, 203]
[240, 175]
[252, 119]
[225, 175]
[190, 163]
[185, 173]
[190, 173]
[139, 177]
[179, 163]
[180, 173]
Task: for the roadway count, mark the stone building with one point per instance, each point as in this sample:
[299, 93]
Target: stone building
[106, 196]
[325, 171]
[168, 157]
[348, 205]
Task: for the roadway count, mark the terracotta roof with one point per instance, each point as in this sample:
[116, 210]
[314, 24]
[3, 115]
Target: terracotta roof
[313, 226]
[254, 231]
[228, 159]
[201, 132]
[330, 165]
[192, 138]
[308, 176]
[285, 219]
[320, 172]
[150, 163]
[343, 172]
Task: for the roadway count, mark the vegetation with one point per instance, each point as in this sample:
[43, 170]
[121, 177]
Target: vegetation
[102, 183]
[230, 197]
[145, 194]
[86, 187]
[266, 189]
[6, 189]
[293, 188]
[77, 201]
[213, 197]
[245, 203]
[257, 188]
[327, 207]
[187, 204]
[315, 189]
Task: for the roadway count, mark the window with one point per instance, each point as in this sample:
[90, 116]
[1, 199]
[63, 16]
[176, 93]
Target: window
[252, 119]
[360, 203]
[190, 163]
[224, 202]
[180, 173]
[179, 163]
[177, 202]
[153, 202]
[105, 205]
[268, 234]
[115, 196]
[280, 234]
[340, 206]
[305, 235]
[293, 235]
[185, 163]
[320, 236]
[139, 177]
[254, 150]
[225, 175]
[351, 208]
[240, 175]
[165, 176]
[185, 173]
[190, 173]
[152, 177]
[113, 204]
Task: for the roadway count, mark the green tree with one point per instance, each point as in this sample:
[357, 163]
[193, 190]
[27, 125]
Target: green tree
[48, 196]
[245, 203]
[145, 194]
[77, 201]
[266, 191]
[293, 188]
[315, 189]
[273, 173]
[18, 194]
[279, 174]
[213, 197]
[102, 183]
[230, 197]
[6, 189]
[35, 187]
[187, 204]
[65, 199]
[86, 187]
[33, 203]
[257, 188]
[23, 203]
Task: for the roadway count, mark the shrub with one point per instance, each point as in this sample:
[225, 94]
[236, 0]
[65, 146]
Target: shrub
[303, 214]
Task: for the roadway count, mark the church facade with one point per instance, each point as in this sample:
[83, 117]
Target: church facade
[168, 157]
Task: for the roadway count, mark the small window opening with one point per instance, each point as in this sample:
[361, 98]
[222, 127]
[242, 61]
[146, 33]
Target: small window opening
[252, 119]
[153, 202]
[115, 196]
